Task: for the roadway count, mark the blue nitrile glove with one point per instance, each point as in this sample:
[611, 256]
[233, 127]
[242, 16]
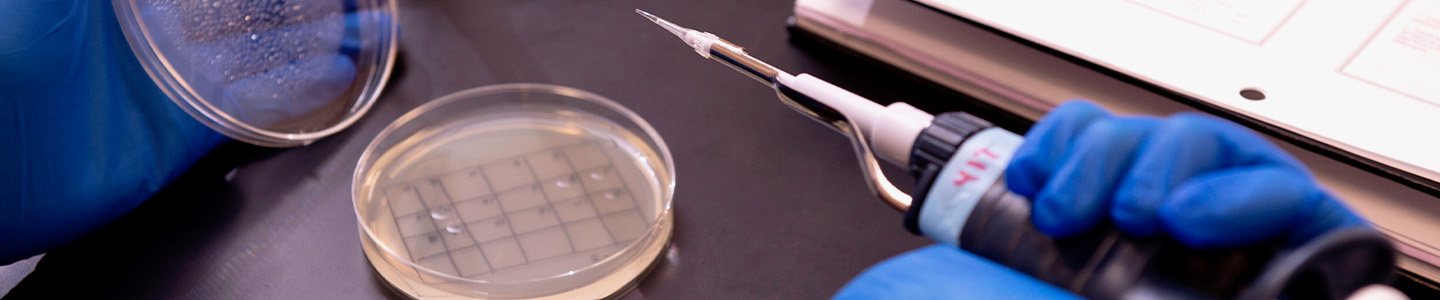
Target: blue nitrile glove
[944, 272]
[86, 135]
[275, 61]
[1203, 181]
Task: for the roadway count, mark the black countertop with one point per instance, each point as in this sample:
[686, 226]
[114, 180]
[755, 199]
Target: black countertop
[768, 203]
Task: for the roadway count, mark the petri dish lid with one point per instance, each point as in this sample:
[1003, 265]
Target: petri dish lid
[276, 73]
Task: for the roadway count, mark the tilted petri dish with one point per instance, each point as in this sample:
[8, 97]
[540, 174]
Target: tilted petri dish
[276, 73]
[515, 191]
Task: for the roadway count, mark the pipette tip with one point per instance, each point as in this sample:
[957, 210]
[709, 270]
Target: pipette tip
[671, 27]
[647, 15]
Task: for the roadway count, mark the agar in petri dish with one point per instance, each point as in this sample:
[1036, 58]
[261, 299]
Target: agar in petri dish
[515, 192]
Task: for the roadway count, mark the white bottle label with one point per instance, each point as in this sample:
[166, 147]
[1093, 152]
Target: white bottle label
[979, 162]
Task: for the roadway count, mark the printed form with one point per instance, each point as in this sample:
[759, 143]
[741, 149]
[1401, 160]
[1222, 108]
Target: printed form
[1363, 76]
[1405, 55]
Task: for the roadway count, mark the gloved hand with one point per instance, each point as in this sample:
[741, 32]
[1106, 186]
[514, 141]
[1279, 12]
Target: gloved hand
[87, 135]
[1203, 181]
[273, 62]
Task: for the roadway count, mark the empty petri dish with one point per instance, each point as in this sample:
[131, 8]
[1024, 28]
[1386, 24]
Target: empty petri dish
[271, 73]
[515, 191]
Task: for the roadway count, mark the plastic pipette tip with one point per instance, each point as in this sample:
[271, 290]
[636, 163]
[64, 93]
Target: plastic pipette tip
[647, 15]
[671, 27]
[700, 41]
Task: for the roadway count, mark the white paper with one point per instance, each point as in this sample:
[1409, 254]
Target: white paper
[1405, 55]
[848, 11]
[1251, 20]
[1363, 76]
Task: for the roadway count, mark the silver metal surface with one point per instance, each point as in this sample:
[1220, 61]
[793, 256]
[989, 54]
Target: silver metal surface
[881, 186]
[869, 166]
[734, 56]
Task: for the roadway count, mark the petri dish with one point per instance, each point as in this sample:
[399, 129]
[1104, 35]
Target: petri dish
[515, 191]
[274, 73]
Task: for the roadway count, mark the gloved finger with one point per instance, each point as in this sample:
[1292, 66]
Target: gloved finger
[1048, 144]
[1185, 146]
[225, 45]
[1246, 205]
[290, 91]
[271, 64]
[1078, 195]
[351, 44]
[317, 78]
[943, 272]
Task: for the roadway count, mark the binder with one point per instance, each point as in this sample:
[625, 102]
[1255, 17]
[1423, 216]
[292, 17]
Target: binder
[1028, 78]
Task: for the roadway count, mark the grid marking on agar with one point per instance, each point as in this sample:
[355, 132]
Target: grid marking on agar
[633, 199]
[437, 233]
[397, 230]
[592, 202]
[505, 215]
[568, 239]
[456, 214]
[492, 197]
[549, 259]
[513, 157]
[471, 233]
[597, 218]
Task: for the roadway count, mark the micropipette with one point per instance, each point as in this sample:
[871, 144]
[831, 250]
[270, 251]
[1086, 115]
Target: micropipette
[959, 161]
